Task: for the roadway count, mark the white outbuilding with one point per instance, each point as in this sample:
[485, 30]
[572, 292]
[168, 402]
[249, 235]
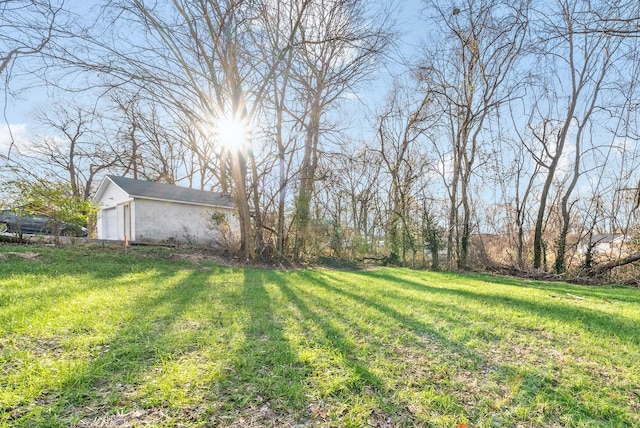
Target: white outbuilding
[141, 211]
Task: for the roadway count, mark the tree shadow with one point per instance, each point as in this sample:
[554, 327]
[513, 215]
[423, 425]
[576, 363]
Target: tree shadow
[339, 332]
[420, 328]
[265, 380]
[266, 385]
[57, 278]
[536, 383]
[588, 318]
[619, 293]
[117, 366]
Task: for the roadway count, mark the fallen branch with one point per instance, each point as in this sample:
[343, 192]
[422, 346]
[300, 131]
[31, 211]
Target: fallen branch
[374, 259]
[568, 296]
[27, 256]
[616, 263]
[592, 277]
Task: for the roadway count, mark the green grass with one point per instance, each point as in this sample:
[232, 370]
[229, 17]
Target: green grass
[90, 336]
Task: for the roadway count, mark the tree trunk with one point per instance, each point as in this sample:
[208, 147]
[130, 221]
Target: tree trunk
[307, 177]
[238, 173]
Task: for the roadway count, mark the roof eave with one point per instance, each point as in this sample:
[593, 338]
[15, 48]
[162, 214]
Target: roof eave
[180, 201]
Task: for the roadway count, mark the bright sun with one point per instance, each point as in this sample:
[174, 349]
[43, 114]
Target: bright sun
[231, 133]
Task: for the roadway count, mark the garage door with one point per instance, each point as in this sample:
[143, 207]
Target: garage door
[110, 223]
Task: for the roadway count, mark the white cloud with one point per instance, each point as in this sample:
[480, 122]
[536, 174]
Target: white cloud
[12, 135]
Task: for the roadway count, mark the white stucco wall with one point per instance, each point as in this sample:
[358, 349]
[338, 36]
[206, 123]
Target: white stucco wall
[112, 195]
[158, 221]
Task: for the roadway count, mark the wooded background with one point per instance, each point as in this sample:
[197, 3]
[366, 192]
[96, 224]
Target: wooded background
[490, 133]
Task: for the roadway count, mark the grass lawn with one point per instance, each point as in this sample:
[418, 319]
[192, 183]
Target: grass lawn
[90, 336]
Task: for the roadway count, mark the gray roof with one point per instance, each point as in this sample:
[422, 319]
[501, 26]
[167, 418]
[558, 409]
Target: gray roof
[608, 238]
[169, 192]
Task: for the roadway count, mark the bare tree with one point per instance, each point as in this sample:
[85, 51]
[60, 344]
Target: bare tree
[515, 175]
[351, 184]
[202, 60]
[360, 175]
[612, 17]
[27, 28]
[468, 73]
[339, 45]
[280, 20]
[154, 144]
[400, 127]
[76, 153]
[583, 60]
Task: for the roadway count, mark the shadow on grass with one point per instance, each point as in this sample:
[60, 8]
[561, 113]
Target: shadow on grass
[362, 380]
[590, 319]
[60, 276]
[335, 329]
[267, 383]
[419, 328]
[140, 341]
[609, 292]
[338, 341]
[537, 384]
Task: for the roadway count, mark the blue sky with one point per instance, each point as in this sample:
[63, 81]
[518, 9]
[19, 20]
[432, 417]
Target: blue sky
[20, 107]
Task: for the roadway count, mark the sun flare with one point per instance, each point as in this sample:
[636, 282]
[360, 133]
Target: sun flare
[231, 133]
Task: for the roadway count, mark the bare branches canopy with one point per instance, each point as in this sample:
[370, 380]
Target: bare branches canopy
[495, 132]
